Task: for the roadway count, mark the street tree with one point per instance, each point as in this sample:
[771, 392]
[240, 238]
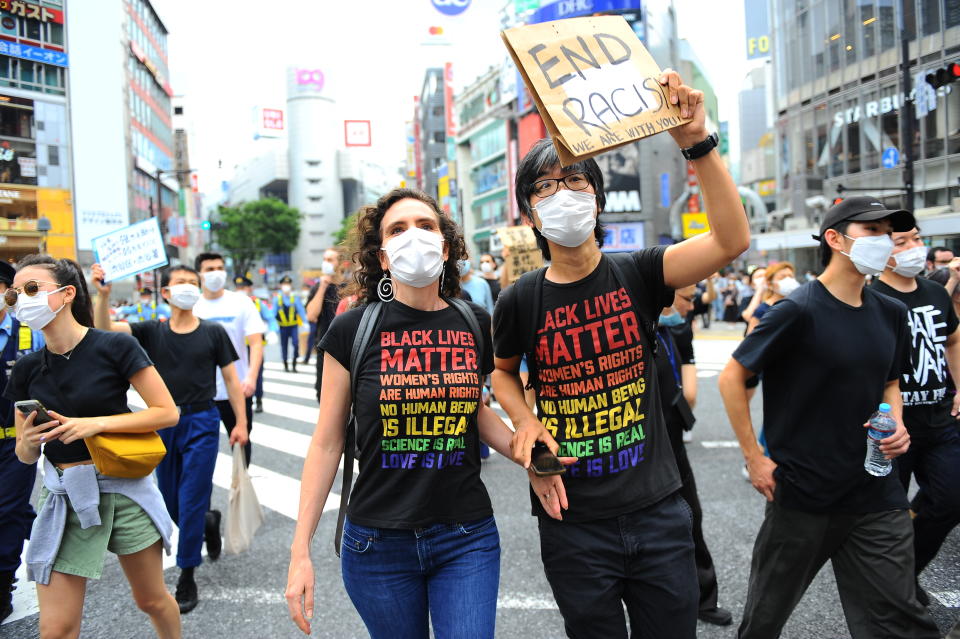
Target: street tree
[251, 230]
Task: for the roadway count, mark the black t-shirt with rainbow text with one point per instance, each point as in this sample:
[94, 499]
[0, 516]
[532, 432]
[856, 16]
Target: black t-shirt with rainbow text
[416, 401]
[597, 385]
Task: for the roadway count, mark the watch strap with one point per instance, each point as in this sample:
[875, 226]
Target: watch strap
[701, 148]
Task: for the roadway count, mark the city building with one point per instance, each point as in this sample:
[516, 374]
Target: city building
[35, 152]
[434, 123]
[757, 149]
[841, 114]
[118, 54]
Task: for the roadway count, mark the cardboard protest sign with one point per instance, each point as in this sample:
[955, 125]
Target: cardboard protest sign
[130, 250]
[594, 83]
[523, 255]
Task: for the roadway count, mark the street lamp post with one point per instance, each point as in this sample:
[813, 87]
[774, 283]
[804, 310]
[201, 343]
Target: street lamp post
[158, 175]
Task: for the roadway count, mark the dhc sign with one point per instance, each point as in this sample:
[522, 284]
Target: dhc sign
[573, 8]
[450, 7]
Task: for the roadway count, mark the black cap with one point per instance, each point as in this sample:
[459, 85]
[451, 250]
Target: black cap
[7, 272]
[243, 281]
[286, 280]
[146, 291]
[864, 208]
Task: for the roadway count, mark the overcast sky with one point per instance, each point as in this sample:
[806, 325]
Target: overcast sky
[228, 56]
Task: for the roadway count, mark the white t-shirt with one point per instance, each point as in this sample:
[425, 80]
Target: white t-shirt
[237, 314]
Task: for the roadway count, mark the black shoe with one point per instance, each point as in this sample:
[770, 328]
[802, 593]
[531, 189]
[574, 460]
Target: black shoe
[211, 534]
[717, 616]
[305, 360]
[186, 595]
[6, 610]
[259, 407]
[7, 581]
[286, 368]
[922, 596]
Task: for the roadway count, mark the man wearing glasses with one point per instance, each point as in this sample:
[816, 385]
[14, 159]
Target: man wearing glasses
[16, 478]
[614, 529]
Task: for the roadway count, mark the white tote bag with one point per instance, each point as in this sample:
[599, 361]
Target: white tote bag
[244, 514]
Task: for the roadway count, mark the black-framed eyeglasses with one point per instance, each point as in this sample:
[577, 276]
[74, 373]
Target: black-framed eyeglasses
[549, 186]
[30, 288]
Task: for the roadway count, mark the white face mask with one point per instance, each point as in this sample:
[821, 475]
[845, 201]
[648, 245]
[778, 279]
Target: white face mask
[416, 257]
[35, 311]
[184, 296]
[486, 267]
[215, 280]
[911, 262]
[787, 285]
[327, 268]
[285, 288]
[870, 253]
[567, 217]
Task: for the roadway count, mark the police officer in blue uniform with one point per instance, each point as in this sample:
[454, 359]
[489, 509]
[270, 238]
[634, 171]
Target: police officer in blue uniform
[145, 309]
[16, 478]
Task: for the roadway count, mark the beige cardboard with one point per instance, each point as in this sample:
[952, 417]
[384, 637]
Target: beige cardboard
[523, 261]
[594, 83]
[520, 237]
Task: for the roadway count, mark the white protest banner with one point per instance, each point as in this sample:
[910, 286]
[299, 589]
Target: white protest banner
[595, 84]
[130, 250]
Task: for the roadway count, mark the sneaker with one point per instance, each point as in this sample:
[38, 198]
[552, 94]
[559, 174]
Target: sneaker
[717, 616]
[7, 581]
[259, 407]
[211, 534]
[186, 594]
[293, 365]
[687, 436]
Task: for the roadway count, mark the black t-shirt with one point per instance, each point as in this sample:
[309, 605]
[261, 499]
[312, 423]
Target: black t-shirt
[825, 365]
[494, 288]
[596, 390]
[187, 362]
[92, 383]
[328, 309]
[925, 385]
[416, 403]
[683, 337]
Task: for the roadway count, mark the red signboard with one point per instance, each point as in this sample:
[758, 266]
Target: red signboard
[273, 119]
[356, 133]
[448, 98]
[31, 11]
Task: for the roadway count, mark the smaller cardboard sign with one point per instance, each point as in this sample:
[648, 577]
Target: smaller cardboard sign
[523, 254]
[595, 84]
[130, 250]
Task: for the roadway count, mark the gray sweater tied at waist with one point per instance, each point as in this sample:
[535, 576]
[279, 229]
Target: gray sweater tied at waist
[79, 487]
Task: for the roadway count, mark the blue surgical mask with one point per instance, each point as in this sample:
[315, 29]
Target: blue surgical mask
[673, 319]
[464, 266]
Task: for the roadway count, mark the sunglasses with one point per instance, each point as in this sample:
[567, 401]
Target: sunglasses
[30, 288]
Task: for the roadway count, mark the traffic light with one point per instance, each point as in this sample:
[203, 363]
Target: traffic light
[946, 75]
[205, 225]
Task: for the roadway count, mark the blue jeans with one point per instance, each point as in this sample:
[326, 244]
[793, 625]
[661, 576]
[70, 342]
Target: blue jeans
[644, 559]
[400, 579]
[185, 478]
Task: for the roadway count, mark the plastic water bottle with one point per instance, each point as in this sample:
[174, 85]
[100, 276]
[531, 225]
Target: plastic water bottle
[881, 426]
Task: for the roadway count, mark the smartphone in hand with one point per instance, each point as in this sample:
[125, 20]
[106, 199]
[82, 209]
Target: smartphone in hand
[544, 463]
[27, 406]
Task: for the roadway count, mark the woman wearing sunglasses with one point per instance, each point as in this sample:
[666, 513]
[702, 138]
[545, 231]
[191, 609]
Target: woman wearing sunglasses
[81, 379]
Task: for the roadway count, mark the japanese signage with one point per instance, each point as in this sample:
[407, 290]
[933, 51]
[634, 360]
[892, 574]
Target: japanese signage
[623, 236]
[130, 250]
[520, 251]
[31, 11]
[594, 83]
[56, 58]
[356, 133]
[694, 224]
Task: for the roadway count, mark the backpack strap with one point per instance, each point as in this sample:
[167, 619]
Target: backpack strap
[471, 319]
[625, 272]
[368, 323]
[528, 292]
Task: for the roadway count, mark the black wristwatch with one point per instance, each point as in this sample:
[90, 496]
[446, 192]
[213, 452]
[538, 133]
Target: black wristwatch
[701, 148]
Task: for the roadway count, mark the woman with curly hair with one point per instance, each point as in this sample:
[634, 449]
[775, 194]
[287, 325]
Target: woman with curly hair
[419, 541]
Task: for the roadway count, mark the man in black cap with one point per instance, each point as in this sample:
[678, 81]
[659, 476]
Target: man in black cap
[289, 311]
[16, 478]
[830, 354]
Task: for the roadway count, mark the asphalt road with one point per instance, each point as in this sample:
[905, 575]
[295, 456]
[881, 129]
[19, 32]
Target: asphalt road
[241, 596]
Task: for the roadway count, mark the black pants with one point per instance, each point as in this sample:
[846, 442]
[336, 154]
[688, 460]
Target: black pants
[643, 559]
[230, 420]
[872, 557]
[706, 574]
[934, 459]
[16, 514]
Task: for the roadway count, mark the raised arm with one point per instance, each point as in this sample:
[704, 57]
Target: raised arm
[692, 260]
[101, 310]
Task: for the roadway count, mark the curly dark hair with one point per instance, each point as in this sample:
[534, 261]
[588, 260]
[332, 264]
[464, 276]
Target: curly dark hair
[365, 243]
[66, 272]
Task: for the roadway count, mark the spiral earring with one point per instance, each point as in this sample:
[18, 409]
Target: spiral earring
[385, 288]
